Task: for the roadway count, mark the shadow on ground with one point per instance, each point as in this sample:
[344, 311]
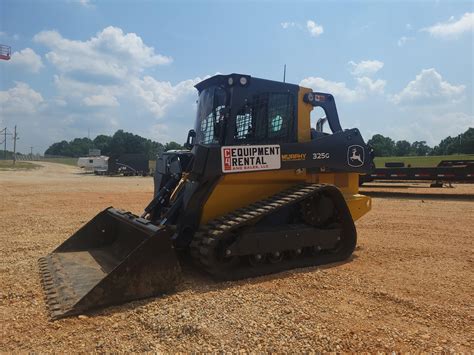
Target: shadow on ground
[198, 281]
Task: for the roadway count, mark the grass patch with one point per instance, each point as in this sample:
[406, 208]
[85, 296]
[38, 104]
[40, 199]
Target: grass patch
[19, 165]
[66, 161]
[429, 161]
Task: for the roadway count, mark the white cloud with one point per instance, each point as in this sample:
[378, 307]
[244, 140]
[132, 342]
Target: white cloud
[101, 84]
[161, 132]
[452, 29]
[368, 85]
[157, 96]
[148, 95]
[101, 100]
[27, 59]
[365, 67]
[85, 3]
[402, 40]
[314, 29]
[21, 99]
[105, 72]
[77, 94]
[365, 86]
[110, 55]
[338, 89]
[413, 126]
[429, 88]
[286, 25]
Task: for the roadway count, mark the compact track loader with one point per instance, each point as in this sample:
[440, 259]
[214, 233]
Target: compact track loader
[257, 191]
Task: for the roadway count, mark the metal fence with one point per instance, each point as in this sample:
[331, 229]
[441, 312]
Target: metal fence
[28, 157]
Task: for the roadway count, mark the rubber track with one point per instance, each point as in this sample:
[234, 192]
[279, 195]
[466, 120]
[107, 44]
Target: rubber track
[217, 230]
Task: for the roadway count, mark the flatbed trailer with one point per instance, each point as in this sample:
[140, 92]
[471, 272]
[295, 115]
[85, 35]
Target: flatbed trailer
[461, 171]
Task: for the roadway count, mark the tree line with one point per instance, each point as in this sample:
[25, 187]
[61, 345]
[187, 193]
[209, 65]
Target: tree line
[387, 147]
[124, 142]
[119, 143]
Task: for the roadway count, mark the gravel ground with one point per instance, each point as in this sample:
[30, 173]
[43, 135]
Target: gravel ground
[408, 287]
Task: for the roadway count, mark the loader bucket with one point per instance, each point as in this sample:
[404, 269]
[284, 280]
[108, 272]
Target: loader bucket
[114, 258]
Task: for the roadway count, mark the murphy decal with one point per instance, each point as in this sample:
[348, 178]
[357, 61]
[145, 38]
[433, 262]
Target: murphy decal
[250, 158]
[293, 157]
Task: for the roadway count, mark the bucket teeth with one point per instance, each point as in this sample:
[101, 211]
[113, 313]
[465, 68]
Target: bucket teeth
[51, 295]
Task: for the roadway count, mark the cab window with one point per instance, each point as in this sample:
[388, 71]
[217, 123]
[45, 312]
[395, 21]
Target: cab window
[267, 118]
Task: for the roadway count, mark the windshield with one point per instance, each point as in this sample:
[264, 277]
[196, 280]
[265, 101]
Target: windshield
[210, 115]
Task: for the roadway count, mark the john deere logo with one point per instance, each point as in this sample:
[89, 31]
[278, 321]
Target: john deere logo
[355, 156]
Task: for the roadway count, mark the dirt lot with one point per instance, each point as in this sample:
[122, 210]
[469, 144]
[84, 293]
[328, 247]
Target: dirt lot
[409, 285]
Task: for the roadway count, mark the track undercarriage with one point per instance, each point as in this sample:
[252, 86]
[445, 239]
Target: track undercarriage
[303, 226]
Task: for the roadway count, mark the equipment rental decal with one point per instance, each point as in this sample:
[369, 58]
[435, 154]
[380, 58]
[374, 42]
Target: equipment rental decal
[250, 158]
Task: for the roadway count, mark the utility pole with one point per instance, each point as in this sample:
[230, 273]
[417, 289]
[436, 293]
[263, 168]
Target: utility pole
[5, 133]
[14, 145]
[284, 73]
[5, 141]
[31, 151]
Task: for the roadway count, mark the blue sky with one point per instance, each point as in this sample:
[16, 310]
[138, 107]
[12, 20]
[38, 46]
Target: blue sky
[403, 69]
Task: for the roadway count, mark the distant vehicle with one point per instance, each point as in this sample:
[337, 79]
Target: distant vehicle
[126, 165]
[91, 164]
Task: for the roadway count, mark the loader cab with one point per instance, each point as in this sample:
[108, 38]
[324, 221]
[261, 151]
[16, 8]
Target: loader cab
[240, 110]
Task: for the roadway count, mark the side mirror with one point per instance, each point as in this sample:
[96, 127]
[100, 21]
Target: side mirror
[190, 140]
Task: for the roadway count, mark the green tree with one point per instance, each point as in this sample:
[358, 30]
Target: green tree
[466, 142]
[420, 148]
[120, 143]
[173, 146]
[383, 146]
[102, 142]
[402, 148]
[463, 143]
[59, 148]
[80, 146]
[124, 142]
[153, 148]
[75, 148]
